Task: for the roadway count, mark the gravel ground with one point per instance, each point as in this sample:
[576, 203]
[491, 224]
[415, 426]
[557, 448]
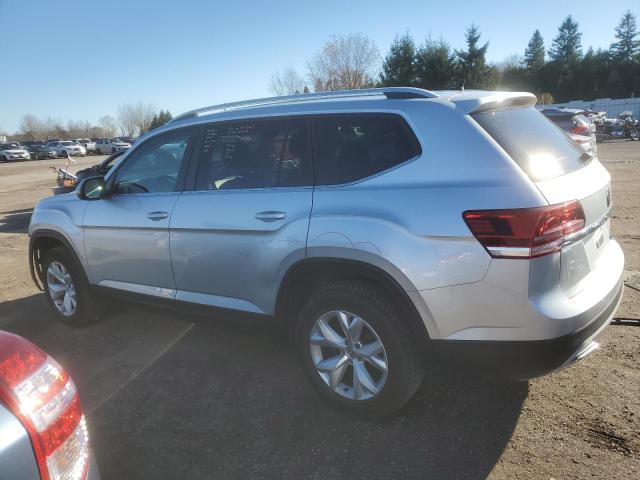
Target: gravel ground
[174, 395]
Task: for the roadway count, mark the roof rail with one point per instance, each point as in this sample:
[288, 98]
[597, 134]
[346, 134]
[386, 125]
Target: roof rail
[389, 92]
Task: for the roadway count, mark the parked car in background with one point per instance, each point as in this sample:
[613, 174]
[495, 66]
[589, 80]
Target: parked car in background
[88, 145]
[44, 431]
[111, 145]
[129, 140]
[67, 147]
[40, 151]
[574, 123]
[416, 226]
[13, 151]
[586, 143]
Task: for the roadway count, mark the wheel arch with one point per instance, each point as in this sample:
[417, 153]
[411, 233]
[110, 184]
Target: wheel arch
[306, 276]
[40, 242]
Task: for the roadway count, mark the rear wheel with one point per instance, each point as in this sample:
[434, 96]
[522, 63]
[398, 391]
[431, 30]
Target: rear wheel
[113, 150]
[356, 349]
[67, 289]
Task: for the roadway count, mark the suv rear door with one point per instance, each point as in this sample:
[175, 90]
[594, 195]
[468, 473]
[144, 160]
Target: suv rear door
[246, 219]
[126, 235]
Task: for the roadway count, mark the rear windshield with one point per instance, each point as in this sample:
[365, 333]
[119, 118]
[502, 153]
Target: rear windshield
[536, 144]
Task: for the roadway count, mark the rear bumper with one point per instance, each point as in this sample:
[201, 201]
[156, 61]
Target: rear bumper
[521, 360]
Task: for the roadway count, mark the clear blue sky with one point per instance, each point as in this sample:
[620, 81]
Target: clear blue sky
[72, 59]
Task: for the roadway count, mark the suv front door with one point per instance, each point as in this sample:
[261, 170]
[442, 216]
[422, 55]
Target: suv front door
[127, 234]
[245, 222]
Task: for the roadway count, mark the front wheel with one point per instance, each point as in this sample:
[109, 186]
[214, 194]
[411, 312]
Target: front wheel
[634, 134]
[67, 289]
[357, 350]
[114, 150]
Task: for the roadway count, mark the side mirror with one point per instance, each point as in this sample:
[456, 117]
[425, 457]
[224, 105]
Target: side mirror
[92, 188]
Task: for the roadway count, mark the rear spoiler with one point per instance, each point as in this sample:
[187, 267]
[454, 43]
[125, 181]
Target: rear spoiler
[494, 101]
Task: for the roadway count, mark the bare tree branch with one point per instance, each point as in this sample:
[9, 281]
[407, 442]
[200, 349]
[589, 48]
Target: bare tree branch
[345, 62]
[108, 125]
[286, 83]
[32, 127]
[125, 120]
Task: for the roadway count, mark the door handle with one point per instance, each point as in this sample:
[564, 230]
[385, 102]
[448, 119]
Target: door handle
[155, 216]
[270, 216]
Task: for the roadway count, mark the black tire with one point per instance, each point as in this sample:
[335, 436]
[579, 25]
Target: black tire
[64, 154]
[376, 308]
[114, 150]
[87, 307]
[5, 159]
[635, 134]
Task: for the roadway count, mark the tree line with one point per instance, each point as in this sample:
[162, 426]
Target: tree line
[131, 120]
[560, 73]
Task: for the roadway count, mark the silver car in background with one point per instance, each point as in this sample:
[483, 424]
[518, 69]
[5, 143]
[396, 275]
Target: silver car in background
[389, 229]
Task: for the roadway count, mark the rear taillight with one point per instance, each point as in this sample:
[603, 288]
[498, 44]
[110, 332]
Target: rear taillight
[45, 399]
[580, 129]
[525, 232]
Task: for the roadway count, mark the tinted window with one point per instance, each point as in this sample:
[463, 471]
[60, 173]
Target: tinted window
[540, 148]
[255, 154]
[352, 147]
[564, 123]
[154, 167]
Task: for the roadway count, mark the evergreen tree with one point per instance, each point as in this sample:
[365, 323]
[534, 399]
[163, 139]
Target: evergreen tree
[628, 44]
[566, 47]
[534, 53]
[159, 119]
[435, 65]
[514, 75]
[593, 74]
[398, 69]
[473, 71]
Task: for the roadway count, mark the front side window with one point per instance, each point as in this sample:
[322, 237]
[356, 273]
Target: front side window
[254, 153]
[154, 167]
[350, 147]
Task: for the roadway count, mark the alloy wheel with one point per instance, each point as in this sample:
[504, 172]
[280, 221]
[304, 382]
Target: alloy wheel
[348, 355]
[61, 288]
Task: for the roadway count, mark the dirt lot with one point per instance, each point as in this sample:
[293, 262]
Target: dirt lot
[174, 395]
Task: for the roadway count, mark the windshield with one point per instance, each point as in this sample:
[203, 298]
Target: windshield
[535, 143]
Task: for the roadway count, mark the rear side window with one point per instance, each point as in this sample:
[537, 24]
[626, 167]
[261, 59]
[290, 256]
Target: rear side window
[352, 147]
[535, 143]
[255, 154]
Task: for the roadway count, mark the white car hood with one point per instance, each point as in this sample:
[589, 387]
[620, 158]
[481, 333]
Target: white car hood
[14, 151]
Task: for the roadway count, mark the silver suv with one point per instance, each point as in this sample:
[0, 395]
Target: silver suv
[391, 230]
